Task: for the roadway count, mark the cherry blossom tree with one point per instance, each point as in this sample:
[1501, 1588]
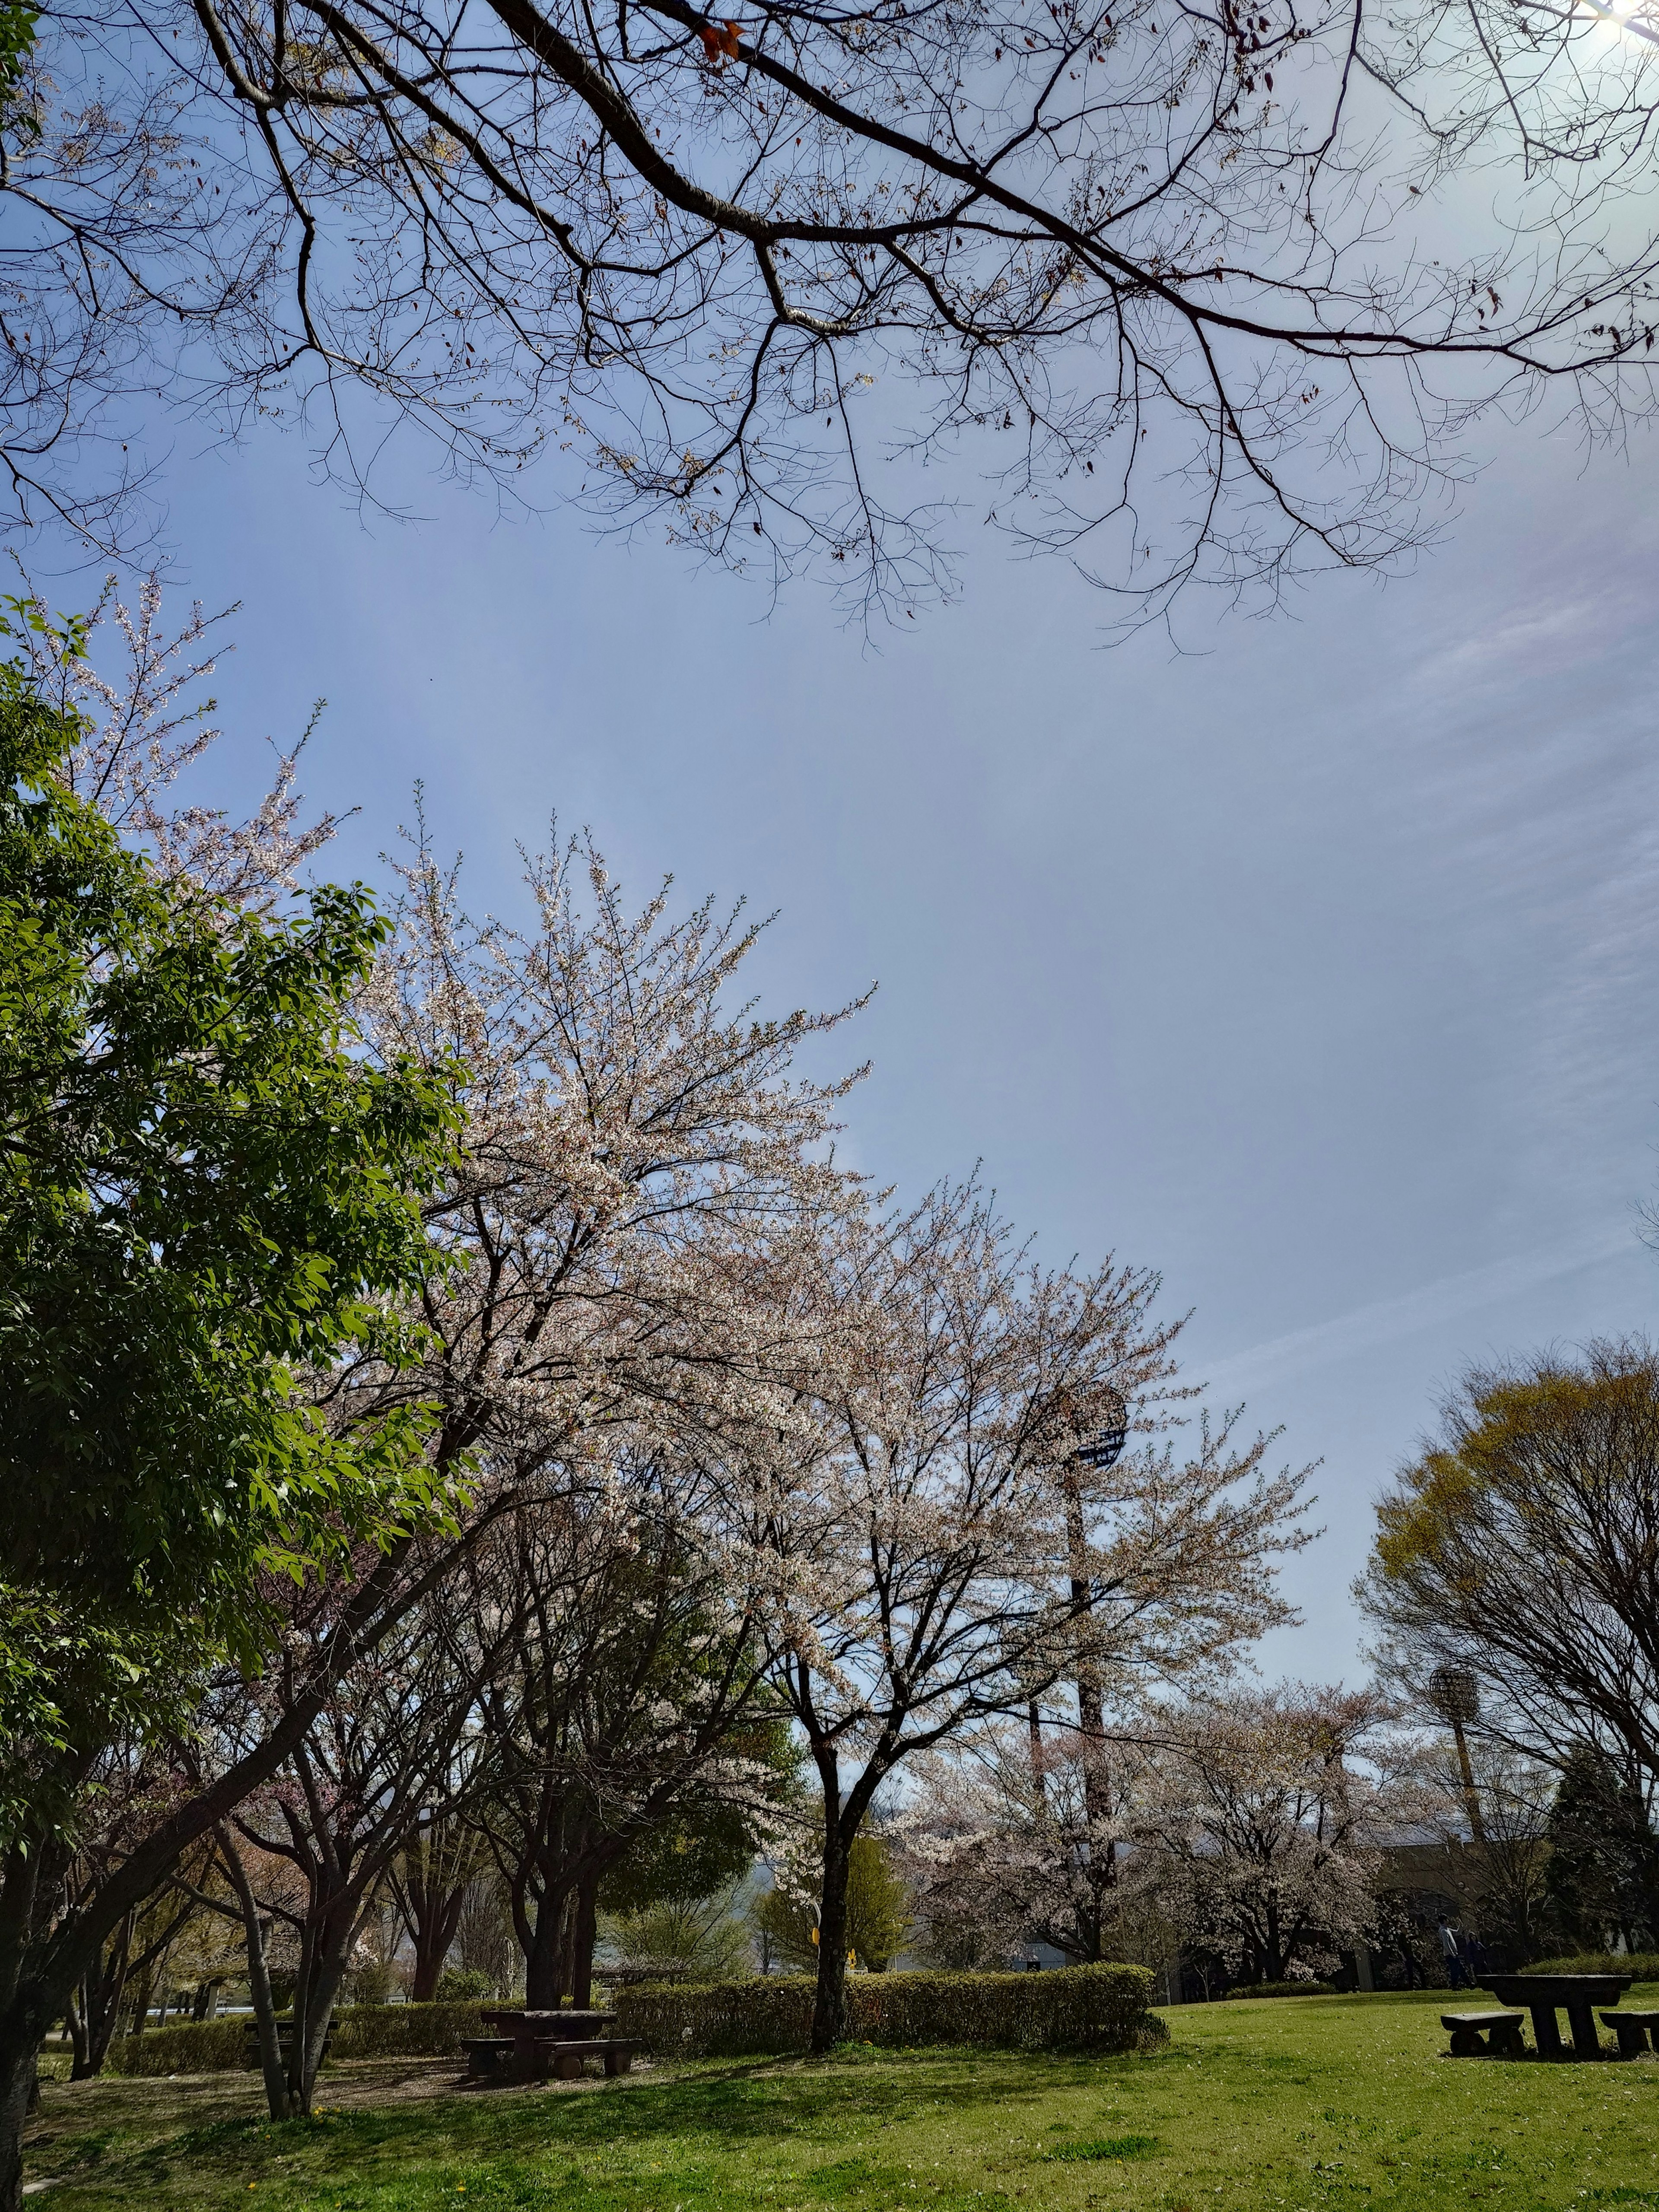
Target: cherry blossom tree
[933, 1525]
[1265, 1841]
[635, 1685]
[146, 723]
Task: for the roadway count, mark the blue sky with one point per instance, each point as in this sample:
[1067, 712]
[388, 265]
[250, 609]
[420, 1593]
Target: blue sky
[1314, 965]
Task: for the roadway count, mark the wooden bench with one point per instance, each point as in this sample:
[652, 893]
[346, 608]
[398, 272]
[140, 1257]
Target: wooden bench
[1501, 2032]
[1632, 2029]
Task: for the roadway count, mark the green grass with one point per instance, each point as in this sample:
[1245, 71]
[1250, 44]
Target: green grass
[1301, 2104]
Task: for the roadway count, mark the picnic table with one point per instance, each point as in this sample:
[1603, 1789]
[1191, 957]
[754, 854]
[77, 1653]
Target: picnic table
[1576, 1995]
[527, 2043]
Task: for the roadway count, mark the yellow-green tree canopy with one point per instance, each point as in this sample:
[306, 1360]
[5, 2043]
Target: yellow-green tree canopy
[1522, 1546]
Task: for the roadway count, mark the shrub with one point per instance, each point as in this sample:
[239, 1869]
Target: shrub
[208, 2046]
[464, 1986]
[1089, 2007]
[1285, 1989]
[1643, 1965]
[405, 2031]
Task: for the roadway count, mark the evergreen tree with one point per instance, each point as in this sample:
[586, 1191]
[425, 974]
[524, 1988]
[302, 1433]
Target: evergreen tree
[1602, 1876]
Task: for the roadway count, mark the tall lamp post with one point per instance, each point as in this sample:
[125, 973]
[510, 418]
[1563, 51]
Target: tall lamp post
[1101, 1448]
[1456, 1696]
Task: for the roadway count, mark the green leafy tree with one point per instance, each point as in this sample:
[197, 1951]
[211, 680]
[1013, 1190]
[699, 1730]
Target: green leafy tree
[207, 1194]
[879, 1917]
[1602, 1872]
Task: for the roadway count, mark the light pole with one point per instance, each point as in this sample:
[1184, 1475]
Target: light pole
[1101, 1448]
[1456, 1696]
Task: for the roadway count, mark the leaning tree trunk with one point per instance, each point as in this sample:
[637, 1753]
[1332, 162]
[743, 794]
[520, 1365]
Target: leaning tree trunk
[259, 1978]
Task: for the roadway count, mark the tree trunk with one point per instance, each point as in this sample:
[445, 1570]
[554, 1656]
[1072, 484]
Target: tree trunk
[259, 1979]
[584, 1927]
[17, 2080]
[77, 2026]
[311, 2033]
[103, 1989]
[434, 1938]
[545, 1968]
[429, 1889]
[830, 2006]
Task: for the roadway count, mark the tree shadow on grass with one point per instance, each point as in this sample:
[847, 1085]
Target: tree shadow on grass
[803, 2101]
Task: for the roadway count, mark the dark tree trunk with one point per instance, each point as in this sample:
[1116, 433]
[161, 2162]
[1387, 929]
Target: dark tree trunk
[259, 1979]
[429, 1887]
[830, 2006]
[584, 1925]
[545, 1966]
[434, 1934]
[17, 2090]
[103, 1991]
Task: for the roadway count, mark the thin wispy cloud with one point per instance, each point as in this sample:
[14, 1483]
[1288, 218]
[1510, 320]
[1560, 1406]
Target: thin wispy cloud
[1431, 1305]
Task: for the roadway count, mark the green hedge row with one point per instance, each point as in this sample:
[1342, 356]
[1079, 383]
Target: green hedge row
[215, 2047]
[1643, 1965]
[208, 2046]
[1087, 2008]
[405, 2031]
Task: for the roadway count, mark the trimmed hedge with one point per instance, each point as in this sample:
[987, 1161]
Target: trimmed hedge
[405, 2031]
[206, 2046]
[1643, 1965]
[1087, 2008]
[1285, 1989]
[218, 2046]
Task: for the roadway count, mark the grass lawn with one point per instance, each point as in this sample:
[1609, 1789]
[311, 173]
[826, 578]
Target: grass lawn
[1301, 2103]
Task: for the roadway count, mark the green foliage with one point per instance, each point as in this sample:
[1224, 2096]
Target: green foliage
[220, 2046]
[878, 1922]
[205, 1189]
[1603, 1867]
[208, 2046]
[700, 1933]
[1088, 2007]
[877, 1905]
[698, 1850]
[19, 29]
[464, 1986]
[405, 2031]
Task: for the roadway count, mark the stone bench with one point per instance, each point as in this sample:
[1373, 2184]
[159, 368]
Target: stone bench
[566, 2058]
[505, 2057]
[1632, 2029]
[285, 2043]
[488, 2056]
[1484, 2034]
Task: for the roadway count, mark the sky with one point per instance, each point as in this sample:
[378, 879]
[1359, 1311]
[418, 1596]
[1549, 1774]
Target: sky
[1312, 965]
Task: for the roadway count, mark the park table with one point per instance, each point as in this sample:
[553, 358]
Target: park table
[1577, 1995]
[527, 2029]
